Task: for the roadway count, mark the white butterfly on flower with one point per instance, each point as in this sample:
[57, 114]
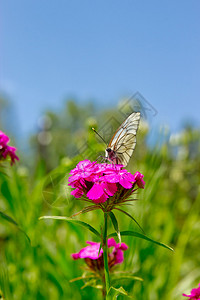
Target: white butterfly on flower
[123, 142]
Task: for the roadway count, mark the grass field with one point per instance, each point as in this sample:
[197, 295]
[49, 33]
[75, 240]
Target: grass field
[35, 256]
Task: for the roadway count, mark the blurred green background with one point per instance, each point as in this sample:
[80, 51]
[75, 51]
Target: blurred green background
[168, 210]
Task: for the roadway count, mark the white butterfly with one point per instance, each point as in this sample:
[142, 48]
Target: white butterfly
[123, 142]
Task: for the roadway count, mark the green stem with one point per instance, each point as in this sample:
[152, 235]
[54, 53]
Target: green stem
[105, 253]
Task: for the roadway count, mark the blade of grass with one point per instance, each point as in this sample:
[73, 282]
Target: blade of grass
[115, 225]
[141, 236]
[130, 217]
[12, 221]
[84, 224]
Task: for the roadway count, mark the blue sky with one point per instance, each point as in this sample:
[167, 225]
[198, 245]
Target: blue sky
[101, 50]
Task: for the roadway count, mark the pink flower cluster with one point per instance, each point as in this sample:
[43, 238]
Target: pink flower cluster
[94, 258]
[194, 295]
[6, 150]
[98, 182]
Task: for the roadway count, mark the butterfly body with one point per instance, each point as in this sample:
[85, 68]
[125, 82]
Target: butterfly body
[111, 156]
[123, 142]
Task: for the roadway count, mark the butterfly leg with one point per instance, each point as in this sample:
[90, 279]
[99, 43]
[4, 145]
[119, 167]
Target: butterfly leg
[103, 158]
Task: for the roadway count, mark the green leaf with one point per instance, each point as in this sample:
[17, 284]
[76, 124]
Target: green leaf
[8, 218]
[114, 292]
[12, 221]
[115, 225]
[84, 224]
[130, 217]
[121, 277]
[91, 283]
[99, 249]
[82, 278]
[141, 236]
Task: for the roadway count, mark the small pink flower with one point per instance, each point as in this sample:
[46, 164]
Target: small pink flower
[139, 180]
[6, 150]
[101, 182]
[94, 258]
[117, 251]
[194, 294]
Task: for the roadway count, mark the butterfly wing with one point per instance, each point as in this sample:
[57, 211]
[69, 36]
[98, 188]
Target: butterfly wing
[123, 141]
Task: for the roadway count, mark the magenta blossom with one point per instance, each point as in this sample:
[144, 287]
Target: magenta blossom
[94, 258]
[6, 150]
[103, 182]
[194, 294]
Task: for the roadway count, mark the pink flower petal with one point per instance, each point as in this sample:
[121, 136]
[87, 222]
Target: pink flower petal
[125, 183]
[123, 246]
[119, 258]
[95, 192]
[112, 243]
[102, 199]
[112, 178]
[75, 256]
[110, 188]
[77, 193]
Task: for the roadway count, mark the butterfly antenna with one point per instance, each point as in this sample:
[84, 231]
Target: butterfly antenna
[99, 136]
